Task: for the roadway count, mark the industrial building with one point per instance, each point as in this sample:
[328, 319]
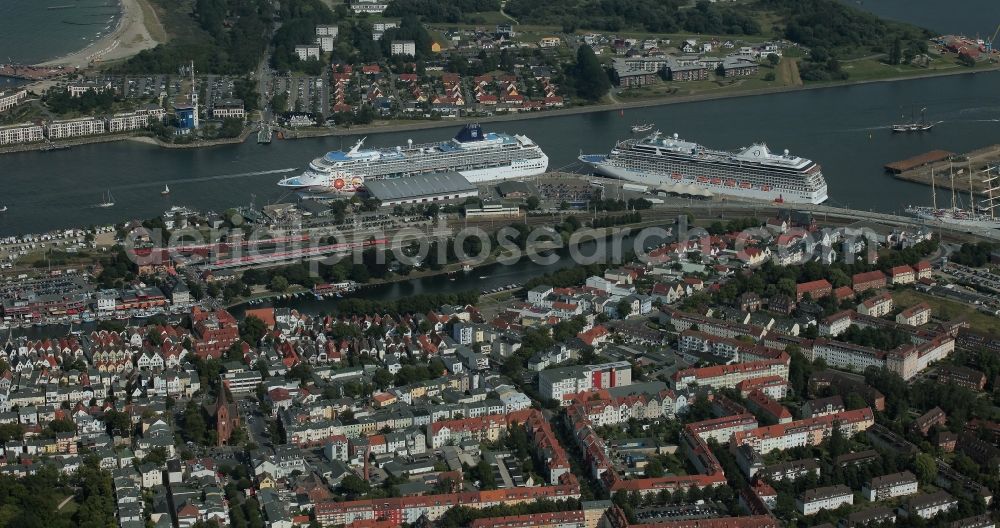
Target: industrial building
[421, 188]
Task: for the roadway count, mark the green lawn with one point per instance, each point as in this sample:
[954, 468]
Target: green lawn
[948, 310]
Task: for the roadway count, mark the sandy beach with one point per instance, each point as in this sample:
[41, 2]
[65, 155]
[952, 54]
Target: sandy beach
[130, 37]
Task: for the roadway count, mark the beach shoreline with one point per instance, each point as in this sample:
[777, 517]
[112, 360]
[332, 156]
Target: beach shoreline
[130, 36]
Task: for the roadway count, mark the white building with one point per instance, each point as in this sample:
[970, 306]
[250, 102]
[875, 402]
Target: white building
[9, 100]
[325, 43]
[877, 306]
[385, 25]
[153, 111]
[558, 382]
[889, 486]
[929, 505]
[67, 128]
[916, 315]
[126, 122]
[21, 133]
[828, 498]
[369, 6]
[76, 90]
[306, 52]
[403, 47]
[229, 108]
[327, 31]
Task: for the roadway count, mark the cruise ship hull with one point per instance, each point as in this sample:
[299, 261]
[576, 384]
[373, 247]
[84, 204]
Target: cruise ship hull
[662, 182]
[478, 156]
[515, 170]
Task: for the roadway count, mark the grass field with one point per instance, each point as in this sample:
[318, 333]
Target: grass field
[948, 310]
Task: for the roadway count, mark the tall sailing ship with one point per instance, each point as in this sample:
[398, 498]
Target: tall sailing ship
[671, 164]
[914, 125]
[981, 216]
[478, 156]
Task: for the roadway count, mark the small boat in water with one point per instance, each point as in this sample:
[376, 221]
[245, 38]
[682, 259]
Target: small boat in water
[165, 191]
[109, 201]
[641, 127]
[3, 209]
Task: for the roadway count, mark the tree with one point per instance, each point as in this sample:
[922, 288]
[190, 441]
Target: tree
[279, 283]
[532, 203]
[654, 468]
[588, 75]
[838, 444]
[925, 468]
[353, 486]
[773, 59]
[854, 401]
[382, 379]
[252, 329]
[896, 51]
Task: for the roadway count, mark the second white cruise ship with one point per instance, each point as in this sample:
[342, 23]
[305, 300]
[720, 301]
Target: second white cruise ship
[472, 153]
[672, 164]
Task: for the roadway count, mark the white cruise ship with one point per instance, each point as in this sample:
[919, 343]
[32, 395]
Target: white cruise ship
[672, 164]
[476, 155]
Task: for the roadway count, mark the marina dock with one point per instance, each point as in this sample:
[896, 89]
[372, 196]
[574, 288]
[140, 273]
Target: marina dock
[927, 158]
[918, 169]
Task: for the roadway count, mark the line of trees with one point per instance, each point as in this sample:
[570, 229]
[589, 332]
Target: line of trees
[661, 16]
[221, 48]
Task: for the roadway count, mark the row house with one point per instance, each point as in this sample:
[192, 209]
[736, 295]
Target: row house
[916, 315]
[806, 432]
[728, 376]
[877, 306]
[890, 486]
[871, 280]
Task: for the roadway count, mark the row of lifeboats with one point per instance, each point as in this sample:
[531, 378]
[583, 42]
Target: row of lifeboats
[720, 181]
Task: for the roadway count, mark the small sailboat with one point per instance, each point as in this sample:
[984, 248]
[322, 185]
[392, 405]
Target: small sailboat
[109, 201]
[3, 209]
[165, 191]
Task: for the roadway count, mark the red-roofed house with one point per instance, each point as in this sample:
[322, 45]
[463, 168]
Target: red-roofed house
[868, 281]
[876, 306]
[843, 293]
[902, 275]
[916, 315]
[923, 270]
[817, 289]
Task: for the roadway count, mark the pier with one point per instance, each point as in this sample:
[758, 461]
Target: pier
[927, 158]
[976, 162]
[264, 134]
[33, 73]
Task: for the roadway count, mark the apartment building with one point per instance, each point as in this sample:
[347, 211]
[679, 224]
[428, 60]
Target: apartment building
[403, 47]
[229, 108]
[728, 376]
[21, 133]
[559, 382]
[67, 128]
[916, 315]
[806, 432]
[126, 122]
[9, 100]
[889, 486]
[826, 498]
[877, 306]
[928, 505]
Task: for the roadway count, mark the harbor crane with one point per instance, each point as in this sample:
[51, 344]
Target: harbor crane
[989, 43]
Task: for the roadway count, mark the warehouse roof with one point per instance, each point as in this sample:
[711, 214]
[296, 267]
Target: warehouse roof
[418, 185]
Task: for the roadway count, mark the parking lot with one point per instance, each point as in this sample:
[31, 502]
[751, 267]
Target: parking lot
[305, 94]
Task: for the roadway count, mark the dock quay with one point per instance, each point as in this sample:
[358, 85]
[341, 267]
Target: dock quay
[918, 169]
[33, 73]
[927, 158]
